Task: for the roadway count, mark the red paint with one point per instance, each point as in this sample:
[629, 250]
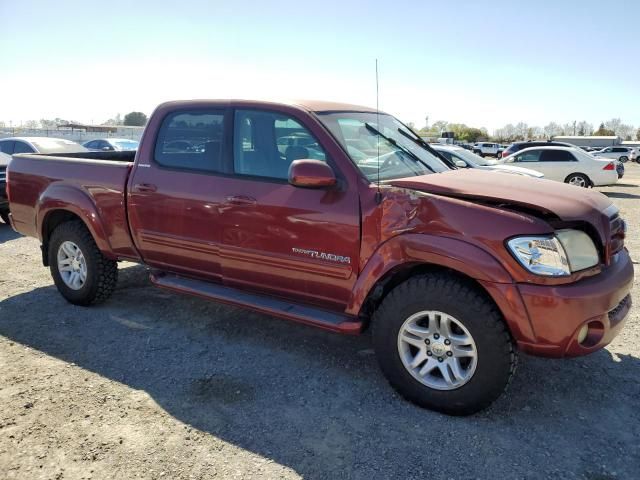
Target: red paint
[311, 173]
[275, 238]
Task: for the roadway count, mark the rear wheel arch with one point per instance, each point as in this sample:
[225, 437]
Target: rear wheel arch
[579, 174]
[54, 218]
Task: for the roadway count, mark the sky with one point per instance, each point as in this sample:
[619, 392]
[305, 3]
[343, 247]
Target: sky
[485, 64]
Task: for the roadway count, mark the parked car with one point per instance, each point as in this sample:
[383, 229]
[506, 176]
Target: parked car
[567, 164]
[455, 270]
[48, 145]
[4, 202]
[517, 146]
[485, 149]
[464, 159]
[623, 154]
[111, 144]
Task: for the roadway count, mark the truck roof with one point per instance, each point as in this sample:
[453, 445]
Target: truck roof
[309, 105]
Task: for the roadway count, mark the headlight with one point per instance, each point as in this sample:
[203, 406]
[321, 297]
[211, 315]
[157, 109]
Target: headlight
[566, 252]
[580, 249]
[540, 255]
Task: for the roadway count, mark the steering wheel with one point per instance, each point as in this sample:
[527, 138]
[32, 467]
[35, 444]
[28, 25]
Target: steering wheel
[392, 161]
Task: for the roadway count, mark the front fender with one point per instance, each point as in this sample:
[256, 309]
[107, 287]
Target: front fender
[409, 249]
[71, 199]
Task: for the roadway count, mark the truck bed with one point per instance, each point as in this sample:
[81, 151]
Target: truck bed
[84, 182]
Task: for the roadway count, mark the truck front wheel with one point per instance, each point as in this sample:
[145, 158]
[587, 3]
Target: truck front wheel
[442, 344]
[81, 273]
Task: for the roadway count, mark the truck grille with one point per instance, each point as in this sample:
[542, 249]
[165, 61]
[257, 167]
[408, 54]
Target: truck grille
[618, 228]
[3, 174]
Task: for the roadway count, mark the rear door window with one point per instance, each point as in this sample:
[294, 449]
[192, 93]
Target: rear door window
[556, 156]
[192, 140]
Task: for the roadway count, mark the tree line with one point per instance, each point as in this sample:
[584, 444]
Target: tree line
[131, 119]
[523, 131]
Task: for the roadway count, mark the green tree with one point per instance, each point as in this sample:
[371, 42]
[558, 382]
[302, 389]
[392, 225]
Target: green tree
[638, 134]
[135, 119]
[604, 132]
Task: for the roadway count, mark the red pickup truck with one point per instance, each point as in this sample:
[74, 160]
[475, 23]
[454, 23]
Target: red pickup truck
[340, 217]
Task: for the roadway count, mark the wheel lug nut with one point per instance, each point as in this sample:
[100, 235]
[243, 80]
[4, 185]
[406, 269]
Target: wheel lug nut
[436, 336]
[449, 354]
[429, 353]
[427, 341]
[440, 359]
[447, 342]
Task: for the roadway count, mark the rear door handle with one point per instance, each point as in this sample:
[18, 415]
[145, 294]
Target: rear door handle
[240, 200]
[145, 187]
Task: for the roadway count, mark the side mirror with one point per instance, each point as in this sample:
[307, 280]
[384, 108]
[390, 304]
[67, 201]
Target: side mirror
[461, 164]
[311, 174]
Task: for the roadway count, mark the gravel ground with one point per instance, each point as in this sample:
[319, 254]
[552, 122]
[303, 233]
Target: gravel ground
[157, 385]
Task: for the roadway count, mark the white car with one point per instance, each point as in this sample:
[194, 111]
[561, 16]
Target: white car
[38, 145]
[617, 153]
[111, 145]
[567, 164]
[486, 149]
[466, 159]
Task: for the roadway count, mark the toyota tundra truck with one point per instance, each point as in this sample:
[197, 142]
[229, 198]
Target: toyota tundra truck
[339, 217]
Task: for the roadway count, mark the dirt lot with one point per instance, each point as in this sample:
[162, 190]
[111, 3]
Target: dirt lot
[156, 385]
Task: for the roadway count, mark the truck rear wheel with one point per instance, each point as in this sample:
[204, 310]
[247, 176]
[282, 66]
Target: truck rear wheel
[442, 344]
[82, 274]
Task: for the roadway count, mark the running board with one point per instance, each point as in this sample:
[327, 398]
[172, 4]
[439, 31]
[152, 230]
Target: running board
[261, 303]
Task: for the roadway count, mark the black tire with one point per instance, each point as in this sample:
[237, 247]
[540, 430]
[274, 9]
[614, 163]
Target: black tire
[102, 273]
[624, 159]
[5, 217]
[586, 183]
[496, 355]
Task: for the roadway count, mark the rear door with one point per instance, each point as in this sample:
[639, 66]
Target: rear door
[175, 201]
[561, 162]
[280, 239]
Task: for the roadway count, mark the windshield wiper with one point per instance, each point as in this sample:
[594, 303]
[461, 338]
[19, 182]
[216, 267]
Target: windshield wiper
[427, 147]
[402, 148]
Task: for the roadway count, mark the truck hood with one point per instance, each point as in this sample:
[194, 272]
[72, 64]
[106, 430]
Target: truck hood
[546, 197]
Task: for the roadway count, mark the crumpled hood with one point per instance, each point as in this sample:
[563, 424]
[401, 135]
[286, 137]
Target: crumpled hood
[567, 202]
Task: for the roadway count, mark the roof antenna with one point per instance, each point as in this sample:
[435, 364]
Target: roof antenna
[378, 193]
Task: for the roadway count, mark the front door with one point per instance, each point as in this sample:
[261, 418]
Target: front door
[281, 239]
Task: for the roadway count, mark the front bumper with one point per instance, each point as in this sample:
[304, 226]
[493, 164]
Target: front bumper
[557, 313]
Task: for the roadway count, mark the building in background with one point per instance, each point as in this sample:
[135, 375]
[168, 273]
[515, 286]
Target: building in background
[588, 141]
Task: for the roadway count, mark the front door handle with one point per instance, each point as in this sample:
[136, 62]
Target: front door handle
[240, 200]
[145, 188]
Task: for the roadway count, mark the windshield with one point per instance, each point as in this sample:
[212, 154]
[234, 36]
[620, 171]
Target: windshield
[472, 158]
[55, 145]
[399, 156]
[126, 144]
